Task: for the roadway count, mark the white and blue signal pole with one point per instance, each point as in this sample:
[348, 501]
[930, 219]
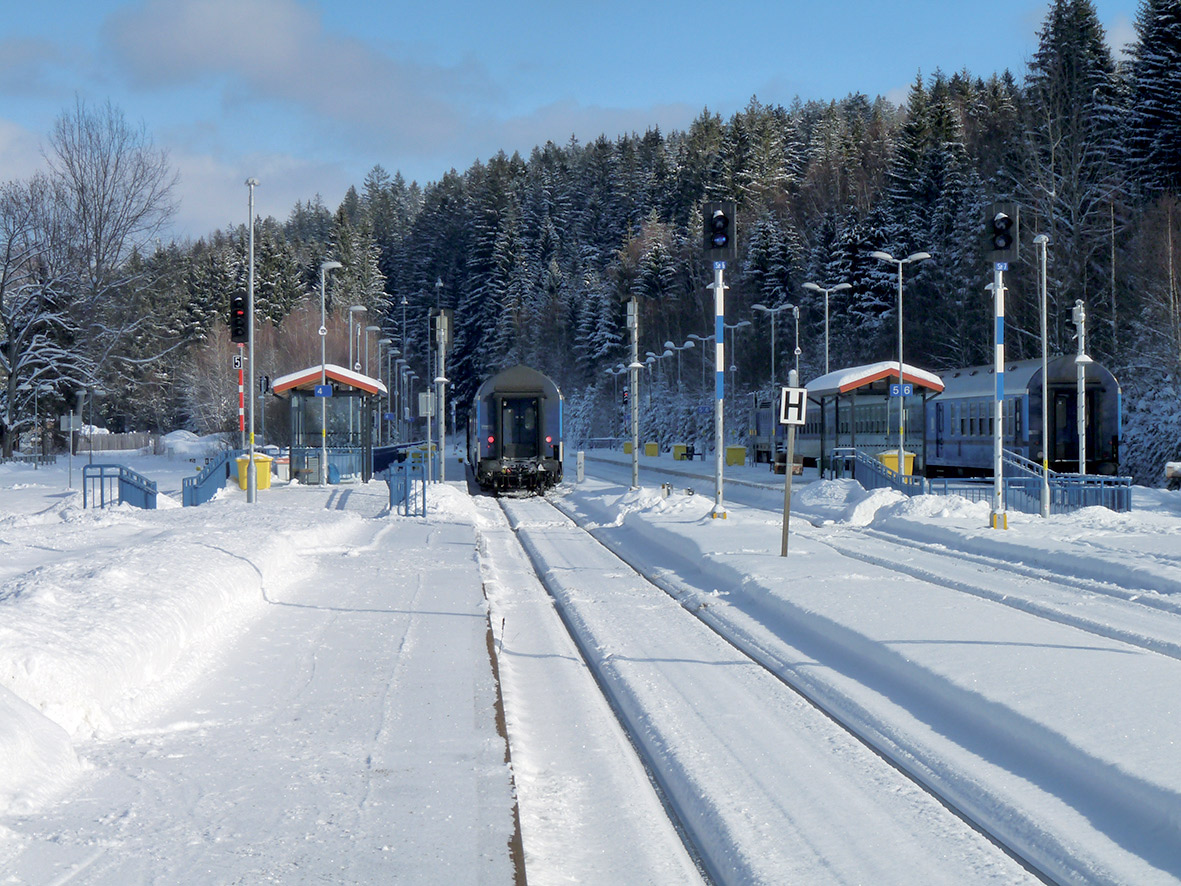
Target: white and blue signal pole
[719, 288]
[999, 518]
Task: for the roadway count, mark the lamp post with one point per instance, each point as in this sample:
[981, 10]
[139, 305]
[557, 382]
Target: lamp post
[733, 364]
[388, 344]
[815, 287]
[355, 309]
[913, 257]
[324, 268]
[703, 339]
[1042, 242]
[251, 476]
[772, 312]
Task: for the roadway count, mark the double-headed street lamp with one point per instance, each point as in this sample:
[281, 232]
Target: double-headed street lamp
[815, 287]
[913, 257]
[324, 268]
[703, 339]
[733, 335]
[688, 344]
[772, 312]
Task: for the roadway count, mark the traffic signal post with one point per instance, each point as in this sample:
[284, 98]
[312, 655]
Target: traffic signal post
[720, 243]
[1002, 232]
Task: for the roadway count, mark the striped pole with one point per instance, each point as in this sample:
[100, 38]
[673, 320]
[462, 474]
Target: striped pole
[719, 288]
[999, 518]
[241, 400]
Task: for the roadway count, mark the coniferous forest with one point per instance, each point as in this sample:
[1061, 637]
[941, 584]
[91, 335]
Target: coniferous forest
[537, 255]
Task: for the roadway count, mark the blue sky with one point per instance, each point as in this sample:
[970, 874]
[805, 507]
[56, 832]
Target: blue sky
[308, 95]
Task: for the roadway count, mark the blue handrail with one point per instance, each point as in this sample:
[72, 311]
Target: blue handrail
[117, 483]
[201, 488]
[404, 488]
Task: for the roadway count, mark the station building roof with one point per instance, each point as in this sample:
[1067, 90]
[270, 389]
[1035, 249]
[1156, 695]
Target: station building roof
[873, 378]
[337, 376]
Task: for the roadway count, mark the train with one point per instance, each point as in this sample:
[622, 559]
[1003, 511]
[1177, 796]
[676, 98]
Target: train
[949, 418]
[514, 436]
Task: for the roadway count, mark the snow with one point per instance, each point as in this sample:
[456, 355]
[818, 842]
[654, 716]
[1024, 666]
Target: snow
[302, 689]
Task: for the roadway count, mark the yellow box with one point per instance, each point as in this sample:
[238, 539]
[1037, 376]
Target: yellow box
[679, 450]
[735, 455]
[262, 471]
[627, 447]
[652, 449]
[890, 459]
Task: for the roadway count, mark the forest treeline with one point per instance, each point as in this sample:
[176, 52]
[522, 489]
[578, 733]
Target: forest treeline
[536, 255]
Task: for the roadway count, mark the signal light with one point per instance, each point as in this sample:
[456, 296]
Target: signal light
[1002, 232]
[491, 440]
[720, 234]
[549, 439]
[239, 324]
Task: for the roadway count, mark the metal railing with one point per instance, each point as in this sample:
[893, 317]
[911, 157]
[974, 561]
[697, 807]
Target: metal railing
[1022, 488]
[116, 483]
[872, 474]
[405, 481]
[201, 488]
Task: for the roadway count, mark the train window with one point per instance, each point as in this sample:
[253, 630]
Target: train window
[972, 419]
[518, 428]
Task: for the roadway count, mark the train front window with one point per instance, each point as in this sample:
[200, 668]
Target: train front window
[518, 427]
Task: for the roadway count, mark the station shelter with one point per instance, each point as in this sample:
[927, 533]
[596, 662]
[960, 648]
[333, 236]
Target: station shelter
[333, 412]
[859, 408]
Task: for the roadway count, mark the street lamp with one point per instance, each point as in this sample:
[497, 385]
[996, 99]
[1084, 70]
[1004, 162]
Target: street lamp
[814, 287]
[324, 268]
[1043, 242]
[386, 343]
[913, 257]
[251, 476]
[703, 339]
[773, 311]
[355, 309]
[733, 366]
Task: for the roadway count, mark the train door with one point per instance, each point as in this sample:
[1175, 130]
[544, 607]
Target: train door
[939, 430]
[1064, 426]
[519, 427]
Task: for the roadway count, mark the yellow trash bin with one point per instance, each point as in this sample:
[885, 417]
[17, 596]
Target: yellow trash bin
[735, 455]
[262, 471]
[890, 459]
[627, 447]
[679, 450]
[652, 449]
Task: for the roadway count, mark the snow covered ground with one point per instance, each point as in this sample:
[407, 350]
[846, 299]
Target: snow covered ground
[301, 690]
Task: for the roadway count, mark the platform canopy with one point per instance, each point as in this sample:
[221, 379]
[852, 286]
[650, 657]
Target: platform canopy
[873, 378]
[337, 376]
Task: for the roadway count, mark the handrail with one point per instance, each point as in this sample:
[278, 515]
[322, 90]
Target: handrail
[133, 487]
[198, 489]
[872, 474]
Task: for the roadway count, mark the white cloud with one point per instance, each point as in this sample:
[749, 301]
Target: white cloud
[20, 152]
[278, 51]
[213, 193]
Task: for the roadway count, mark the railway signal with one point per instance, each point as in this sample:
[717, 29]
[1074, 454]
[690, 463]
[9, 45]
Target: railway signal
[239, 327]
[1002, 232]
[720, 237]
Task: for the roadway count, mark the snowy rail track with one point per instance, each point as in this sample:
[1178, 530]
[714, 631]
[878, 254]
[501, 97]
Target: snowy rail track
[1017, 693]
[766, 787]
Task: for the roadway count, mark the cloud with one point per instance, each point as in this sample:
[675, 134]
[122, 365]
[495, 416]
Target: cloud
[278, 51]
[27, 67]
[213, 193]
[20, 152]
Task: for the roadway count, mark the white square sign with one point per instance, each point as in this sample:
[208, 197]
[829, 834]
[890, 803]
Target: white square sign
[793, 405]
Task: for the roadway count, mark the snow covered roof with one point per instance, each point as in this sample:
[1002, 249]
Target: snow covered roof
[307, 379]
[841, 381]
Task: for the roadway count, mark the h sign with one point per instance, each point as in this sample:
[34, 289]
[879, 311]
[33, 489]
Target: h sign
[793, 403]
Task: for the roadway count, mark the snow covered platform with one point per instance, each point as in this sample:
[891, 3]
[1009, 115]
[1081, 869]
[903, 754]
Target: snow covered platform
[301, 692]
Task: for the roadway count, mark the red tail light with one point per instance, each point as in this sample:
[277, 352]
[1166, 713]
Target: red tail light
[549, 439]
[491, 440]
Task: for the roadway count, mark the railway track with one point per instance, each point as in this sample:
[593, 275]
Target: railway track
[735, 742]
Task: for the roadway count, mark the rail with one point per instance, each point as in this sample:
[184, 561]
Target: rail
[872, 474]
[405, 486]
[116, 483]
[1022, 488]
[201, 488]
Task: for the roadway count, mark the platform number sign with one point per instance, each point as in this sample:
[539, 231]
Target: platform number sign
[904, 390]
[793, 404]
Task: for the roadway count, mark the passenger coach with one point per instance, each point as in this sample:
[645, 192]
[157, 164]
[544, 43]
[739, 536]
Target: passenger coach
[515, 431]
